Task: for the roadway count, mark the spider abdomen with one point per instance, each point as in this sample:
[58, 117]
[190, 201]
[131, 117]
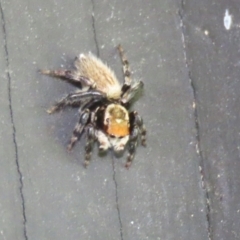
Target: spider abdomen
[104, 78]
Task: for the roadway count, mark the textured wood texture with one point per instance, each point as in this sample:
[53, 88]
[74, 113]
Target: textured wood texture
[184, 185]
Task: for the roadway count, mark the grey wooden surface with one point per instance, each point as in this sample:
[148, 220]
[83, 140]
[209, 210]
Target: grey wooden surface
[184, 185]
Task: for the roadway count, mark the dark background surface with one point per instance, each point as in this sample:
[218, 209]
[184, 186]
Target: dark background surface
[185, 184]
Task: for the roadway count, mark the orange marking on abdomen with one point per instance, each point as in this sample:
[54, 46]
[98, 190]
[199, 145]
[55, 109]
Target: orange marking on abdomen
[118, 129]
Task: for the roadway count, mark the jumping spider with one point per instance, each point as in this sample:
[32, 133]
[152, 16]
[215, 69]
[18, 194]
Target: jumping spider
[103, 106]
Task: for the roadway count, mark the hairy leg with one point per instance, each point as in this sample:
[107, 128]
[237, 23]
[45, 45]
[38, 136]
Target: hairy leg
[142, 128]
[89, 144]
[137, 129]
[79, 128]
[136, 120]
[132, 146]
[74, 99]
[70, 100]
[104, 143]
[70, 76]
[90, 103]
[126, 69]
[131, 92]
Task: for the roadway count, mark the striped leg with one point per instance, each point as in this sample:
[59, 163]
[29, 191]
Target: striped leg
[136, 120]
[70, 100]
[138, 129]
[74, 99]
[142, 128]
[79, 128]
[131, 92]
[132, 146]
[126, 69]
[70, 76]
[89, 144]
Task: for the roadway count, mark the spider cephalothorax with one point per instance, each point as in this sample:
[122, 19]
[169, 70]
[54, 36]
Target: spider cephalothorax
[116, 121]
[103, 105]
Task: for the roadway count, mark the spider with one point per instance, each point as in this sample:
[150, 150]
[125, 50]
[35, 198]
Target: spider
[103, 106]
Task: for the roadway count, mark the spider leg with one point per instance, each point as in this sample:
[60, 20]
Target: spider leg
[79, 128]
[138, 129]
[89, 145]
[131, 92]
[70, 76]
[90, 103]
[74, 99]
[132, 146]
[70, 100]
[142, 129]
[126, 69]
